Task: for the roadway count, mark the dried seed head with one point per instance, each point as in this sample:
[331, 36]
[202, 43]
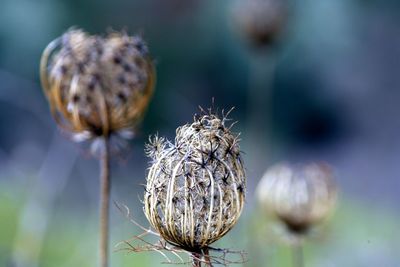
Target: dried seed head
[97, 85]
[196, 187]
[260, 21]
[299, 196]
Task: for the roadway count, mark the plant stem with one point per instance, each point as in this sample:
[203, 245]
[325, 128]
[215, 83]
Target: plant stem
[207, 257]
[196, 260]
[104, 202]
[259, 112]
[297, 255]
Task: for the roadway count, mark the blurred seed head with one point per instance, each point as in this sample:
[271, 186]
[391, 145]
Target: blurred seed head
[196, 186]
[299, 196]
[260, 22]
[97, 86]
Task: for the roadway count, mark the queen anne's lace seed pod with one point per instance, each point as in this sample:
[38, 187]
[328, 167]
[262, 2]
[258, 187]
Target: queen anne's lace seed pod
[299, 196]
[97, 85]
[260, 21]
[196, 187]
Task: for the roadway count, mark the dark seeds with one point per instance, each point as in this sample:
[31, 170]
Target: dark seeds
[117, 60]
[76, 98]
[122, 97]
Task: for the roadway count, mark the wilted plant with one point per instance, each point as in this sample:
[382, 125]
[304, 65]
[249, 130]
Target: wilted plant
[98, 88]
[300, 197]
[195, 187]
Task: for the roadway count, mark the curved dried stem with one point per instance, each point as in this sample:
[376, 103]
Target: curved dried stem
[127, 214]
[44, 63]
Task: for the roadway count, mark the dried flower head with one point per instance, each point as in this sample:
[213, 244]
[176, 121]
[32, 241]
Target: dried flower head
[260, 21]
[195, 187]
[96, 85]
[299, 196]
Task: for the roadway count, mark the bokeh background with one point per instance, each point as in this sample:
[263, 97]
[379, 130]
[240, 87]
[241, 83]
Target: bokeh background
[328, 91]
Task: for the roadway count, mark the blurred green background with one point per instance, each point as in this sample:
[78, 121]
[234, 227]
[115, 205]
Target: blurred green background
[329, 90]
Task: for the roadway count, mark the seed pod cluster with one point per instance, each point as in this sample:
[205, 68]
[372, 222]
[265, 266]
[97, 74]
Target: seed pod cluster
[299, 196]
[195, 187]
[97, 85]
[260, 21]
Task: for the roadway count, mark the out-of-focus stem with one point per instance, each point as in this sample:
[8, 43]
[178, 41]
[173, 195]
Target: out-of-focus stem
[259, 112]
[297, 255]
[259, 122]
[52, 179]
[105, 187]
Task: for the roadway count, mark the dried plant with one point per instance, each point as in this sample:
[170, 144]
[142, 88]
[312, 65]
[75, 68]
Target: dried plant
[140, 243]
[195, 188]
[260, 21]
[98, 88]
[300, 197]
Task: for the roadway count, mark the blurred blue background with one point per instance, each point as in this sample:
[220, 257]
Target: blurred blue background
[329, 90]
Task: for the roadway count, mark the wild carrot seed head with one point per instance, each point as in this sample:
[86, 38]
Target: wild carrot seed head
[299, 196]
[97, 85]
[195, 186]
[260, 21]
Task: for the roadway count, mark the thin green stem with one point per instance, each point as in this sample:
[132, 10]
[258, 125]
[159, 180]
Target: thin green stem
[297, 255]
[105, 187]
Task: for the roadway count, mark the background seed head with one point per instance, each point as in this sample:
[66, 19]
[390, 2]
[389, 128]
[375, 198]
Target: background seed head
[260, 21]
[195, 187]
[97, 85]
[299, 196]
